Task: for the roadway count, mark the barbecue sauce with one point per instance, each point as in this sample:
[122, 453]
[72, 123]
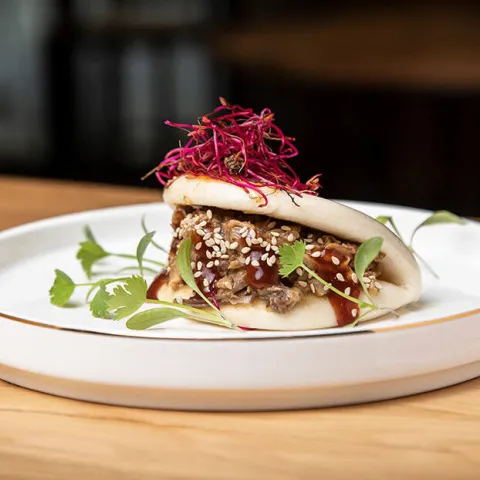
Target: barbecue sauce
[327, 270]
[262, 276]
[160, 280]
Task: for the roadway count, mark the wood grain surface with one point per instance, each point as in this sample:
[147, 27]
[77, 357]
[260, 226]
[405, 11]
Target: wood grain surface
[430, 436]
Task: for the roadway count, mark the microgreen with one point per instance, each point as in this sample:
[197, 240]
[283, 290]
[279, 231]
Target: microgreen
[128, 298]
[90, 252]
[441, 216]
[152, 317]
[62, 289]
[99, 305]
[366, 254]
[142, 247]
[291, 258]
[153, 242]
[240, 147]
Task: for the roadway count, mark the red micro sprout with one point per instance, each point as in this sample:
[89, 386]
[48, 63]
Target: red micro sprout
[236, 145]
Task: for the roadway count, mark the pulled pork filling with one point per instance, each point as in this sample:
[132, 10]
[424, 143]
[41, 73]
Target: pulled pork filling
[235, 260]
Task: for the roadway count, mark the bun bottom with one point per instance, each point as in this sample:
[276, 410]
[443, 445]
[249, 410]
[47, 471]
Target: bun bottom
[311, 314]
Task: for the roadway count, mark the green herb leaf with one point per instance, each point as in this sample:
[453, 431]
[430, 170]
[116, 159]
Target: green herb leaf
[62, 289]
[291, 257]
[88, 254]
[87, 231]
[383, 219]
[142, 247]
[99, 304]
[184, 256]
[136, 268]
[128, 298]
[152, 317]
[366, 254]
[146, 230]
[442, 216]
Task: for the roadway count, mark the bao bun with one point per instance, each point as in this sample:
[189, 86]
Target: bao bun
[401, 280]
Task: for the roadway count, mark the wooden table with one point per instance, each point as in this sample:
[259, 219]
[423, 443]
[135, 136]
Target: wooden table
[435, 435]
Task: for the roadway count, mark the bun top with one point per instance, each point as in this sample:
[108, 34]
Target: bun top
[399, 265]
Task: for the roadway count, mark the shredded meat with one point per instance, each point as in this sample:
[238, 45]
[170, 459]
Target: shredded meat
[235, 259]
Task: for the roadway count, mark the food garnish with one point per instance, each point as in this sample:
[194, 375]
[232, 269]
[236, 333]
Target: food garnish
[238, 146]
[438, 217]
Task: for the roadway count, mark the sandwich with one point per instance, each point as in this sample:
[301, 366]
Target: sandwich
[237, 199]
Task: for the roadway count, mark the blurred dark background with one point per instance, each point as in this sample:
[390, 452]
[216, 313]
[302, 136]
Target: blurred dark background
[383, 97]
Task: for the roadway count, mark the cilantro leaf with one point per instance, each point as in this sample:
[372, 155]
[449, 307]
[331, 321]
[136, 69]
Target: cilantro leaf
[152, 317]
[128, 298]
[142, 247]
[88, 254]
[62, 289]
[99, 304]
[291, 257]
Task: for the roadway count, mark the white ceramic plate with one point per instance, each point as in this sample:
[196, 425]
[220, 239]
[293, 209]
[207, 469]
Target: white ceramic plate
[186, 365]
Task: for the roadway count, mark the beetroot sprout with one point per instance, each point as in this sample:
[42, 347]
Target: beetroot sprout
[238, 146]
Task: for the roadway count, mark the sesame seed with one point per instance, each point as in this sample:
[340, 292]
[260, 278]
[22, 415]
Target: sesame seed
[308, 240]
[252, 233]
[198, 246]
[243, 229]
[326, 288]
[335, 260]
[209, 214]
[347, 291]
[217, 263]
[264, 244]
[354, 278]
[210, 242]
[291, 237]
[309, 247]
[247, 261]
[259, 240]
[275, 248]
[354, 312]
[312, 288]
[223, 249]
[302, 283]
[205, 282]
[316, 254]
[299, 271]
[233, 246]
[340, 277]
[217, 235]
[207, 236]
[320, 240]
[264, 257]
[225, 256]
[274, 241]
[245, 249]
[227, 244]
[197, 274]
[244, 234]
[209, 254]
[210, 264]
[275, 234]
[366, 280]
[249, 242]
[310, 235]
[217, 241]
[269, 263]
[201, 231]
[378, 285]
[273, 259]
[192, 264]
[255, 263]
[217, 230]
[216, 248]
[286, 228]
[202, 224]
[268, 247]
[199, 265]
[271, 224]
